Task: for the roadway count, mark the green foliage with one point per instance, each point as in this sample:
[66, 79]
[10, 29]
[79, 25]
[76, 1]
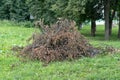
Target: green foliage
[93, 10]
[72, 9]
[41, 9]
[50, 10]
[14, 10]
[5, 9]
[75, 8]
[18, 10]
[59, 7]
[118, 8]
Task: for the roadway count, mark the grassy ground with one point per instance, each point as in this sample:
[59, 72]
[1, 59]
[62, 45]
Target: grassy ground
[102, 67]
[99, 39]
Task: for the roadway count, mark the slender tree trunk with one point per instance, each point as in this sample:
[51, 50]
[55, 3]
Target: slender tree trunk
[112, 16]
[80, 26]
[110, 26]
[119, 27]
[93, 28]
[111, 22]
[106, 14]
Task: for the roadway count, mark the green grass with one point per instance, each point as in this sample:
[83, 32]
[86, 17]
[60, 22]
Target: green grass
[99, 39]
[102, 67]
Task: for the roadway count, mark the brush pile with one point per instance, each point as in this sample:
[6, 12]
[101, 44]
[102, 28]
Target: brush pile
[59, 41]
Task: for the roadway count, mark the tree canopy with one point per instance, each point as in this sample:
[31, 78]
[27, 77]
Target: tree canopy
[49, 10]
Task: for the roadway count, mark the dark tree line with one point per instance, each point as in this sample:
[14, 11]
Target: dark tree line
[13, 10]
[50, 10]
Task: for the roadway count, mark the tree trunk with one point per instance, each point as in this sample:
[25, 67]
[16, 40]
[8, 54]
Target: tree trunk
[119, 27]
[80, 26]
[110, 26]
[111, 21]
[93, 28]
[112, 16]
[106, 14]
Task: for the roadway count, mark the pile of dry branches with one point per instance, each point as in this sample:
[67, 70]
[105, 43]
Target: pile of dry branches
[59, 41]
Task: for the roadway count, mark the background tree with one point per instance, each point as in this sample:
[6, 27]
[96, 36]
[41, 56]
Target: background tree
[93, 11]
[19, 10]
[49, 10]
[110, 7]
[5, 6]
[41, 9]
[13, 10]
[106, 16]
[118, 11]
[71, 9]
[59, 7]
[113, 9]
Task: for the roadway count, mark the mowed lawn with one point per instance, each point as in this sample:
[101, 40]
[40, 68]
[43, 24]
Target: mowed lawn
[101, 67]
